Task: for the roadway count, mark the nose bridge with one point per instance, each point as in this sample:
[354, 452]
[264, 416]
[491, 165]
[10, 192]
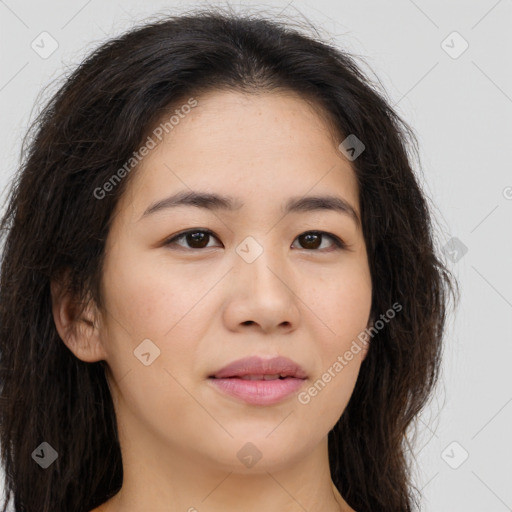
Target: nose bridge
[262, 268]
[259, 260]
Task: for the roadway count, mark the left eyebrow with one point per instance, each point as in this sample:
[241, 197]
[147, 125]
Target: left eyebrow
[211, 201]
[315, 203]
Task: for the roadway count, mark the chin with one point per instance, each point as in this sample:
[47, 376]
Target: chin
[252, 451]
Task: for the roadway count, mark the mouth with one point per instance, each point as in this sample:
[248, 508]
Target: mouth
[258, 381]
[258, 377]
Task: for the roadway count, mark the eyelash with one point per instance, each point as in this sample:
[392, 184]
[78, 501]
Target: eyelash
[338, 243]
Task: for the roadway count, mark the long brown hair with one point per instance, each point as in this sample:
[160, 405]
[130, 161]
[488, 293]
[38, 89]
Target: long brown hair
[55, 225]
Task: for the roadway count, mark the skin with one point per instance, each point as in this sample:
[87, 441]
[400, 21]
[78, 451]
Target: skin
[204, 308]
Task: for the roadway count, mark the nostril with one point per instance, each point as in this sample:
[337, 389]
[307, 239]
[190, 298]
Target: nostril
[248, 322]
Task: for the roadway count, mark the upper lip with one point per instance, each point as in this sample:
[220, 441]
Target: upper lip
[256, 365]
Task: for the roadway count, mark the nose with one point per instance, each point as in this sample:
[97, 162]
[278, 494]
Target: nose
[262, 296]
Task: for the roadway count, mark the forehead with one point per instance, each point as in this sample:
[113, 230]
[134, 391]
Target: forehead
[261, 148]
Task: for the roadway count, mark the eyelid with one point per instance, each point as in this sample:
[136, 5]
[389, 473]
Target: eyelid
[182, 234]
[339, 244]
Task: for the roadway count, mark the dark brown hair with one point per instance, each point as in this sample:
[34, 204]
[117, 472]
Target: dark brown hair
[54, 226]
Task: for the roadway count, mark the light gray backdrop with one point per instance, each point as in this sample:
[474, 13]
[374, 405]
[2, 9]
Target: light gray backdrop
[447, 69]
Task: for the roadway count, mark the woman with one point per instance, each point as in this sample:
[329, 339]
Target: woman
[219, 288]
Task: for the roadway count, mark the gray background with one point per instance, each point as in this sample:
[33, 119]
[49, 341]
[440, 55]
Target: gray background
[460, 106]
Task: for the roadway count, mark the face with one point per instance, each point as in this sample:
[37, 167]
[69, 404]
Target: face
[190, 289]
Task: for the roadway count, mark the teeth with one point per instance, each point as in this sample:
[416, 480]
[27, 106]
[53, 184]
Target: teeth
[261, 377]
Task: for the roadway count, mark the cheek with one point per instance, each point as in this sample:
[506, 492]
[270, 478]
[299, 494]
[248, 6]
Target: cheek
[343, 308]
[340, 354]
[152, 338]
[169, 307]
[352, 310]
[342, 304]
[326, 398]
[150, 300]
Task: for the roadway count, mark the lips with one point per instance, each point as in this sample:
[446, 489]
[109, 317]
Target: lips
[259, 381]
[259, 367]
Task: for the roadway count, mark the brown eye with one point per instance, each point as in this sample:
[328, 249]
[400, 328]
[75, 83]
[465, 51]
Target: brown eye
[310, 240]
[313, 240]
[195, 239]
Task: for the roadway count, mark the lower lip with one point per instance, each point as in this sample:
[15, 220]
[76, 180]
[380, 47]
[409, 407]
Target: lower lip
[259, 392]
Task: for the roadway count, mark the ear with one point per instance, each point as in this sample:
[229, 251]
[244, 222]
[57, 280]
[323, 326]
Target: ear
[78, 327]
